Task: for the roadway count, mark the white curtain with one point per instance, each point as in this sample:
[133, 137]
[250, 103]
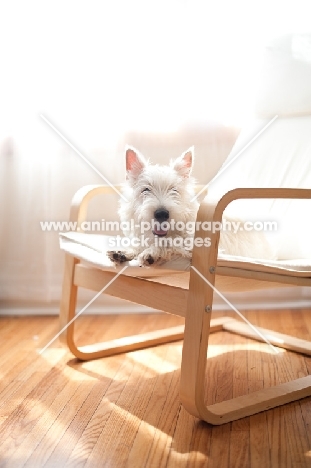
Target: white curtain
[161, 76]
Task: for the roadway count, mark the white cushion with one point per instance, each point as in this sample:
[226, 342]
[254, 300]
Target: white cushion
[91, 249]
[279, 157]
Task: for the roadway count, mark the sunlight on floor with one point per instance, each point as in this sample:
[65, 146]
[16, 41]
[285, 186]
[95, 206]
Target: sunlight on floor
[150, 441]
[217, 350]
[53, 355]
[148, 358]
[160, 365]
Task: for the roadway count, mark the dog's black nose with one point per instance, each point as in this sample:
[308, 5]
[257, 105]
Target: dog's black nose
[161, 215]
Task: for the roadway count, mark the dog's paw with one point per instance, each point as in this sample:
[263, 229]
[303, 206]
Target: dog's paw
[147, 259]
[117, 256]
[154, 256]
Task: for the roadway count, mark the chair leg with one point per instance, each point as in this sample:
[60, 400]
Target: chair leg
[135, 342]
[99, 350]
[193, 367]
[196, 336]
[277, 339]
[68, 301]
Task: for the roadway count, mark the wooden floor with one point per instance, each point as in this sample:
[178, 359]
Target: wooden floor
[124, 411]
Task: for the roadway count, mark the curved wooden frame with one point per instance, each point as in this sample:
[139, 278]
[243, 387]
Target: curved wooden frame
[194, 303]
[197, 326]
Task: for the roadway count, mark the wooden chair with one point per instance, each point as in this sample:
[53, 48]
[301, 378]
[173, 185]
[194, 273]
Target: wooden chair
[189, 294]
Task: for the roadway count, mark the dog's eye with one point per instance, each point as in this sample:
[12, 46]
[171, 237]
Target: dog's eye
[146, 190]
[173, 189]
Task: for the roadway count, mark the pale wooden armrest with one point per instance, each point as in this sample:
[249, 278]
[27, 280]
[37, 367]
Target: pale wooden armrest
[245, 193]
[82, 198]
[213, 212]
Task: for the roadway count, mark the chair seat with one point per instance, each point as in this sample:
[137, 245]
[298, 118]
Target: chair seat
[92, 248]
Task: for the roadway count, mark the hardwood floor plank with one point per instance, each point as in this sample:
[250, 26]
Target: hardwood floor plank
[21, 421]
[40, 431]
[296, 435]
[96, 422]
[74, 431]
[277, 438]
[200, 445]
[220, 446]
[181, 440]
[119, 419]
[141, 445]
[46, 451]
[16, 393]
[162, 444]
[239, 449]
[141, 413]
[259, 441]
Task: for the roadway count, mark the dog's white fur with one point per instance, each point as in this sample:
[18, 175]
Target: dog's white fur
[153, 190]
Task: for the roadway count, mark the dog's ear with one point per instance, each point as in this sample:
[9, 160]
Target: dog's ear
[135, 162]
[183, 164]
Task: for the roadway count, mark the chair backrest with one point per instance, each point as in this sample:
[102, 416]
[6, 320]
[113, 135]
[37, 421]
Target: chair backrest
[281, 155]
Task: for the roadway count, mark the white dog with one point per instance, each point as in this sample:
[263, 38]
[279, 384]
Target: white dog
[160, 204]
[160, 211]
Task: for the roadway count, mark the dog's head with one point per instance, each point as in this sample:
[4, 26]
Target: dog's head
[159, 195]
